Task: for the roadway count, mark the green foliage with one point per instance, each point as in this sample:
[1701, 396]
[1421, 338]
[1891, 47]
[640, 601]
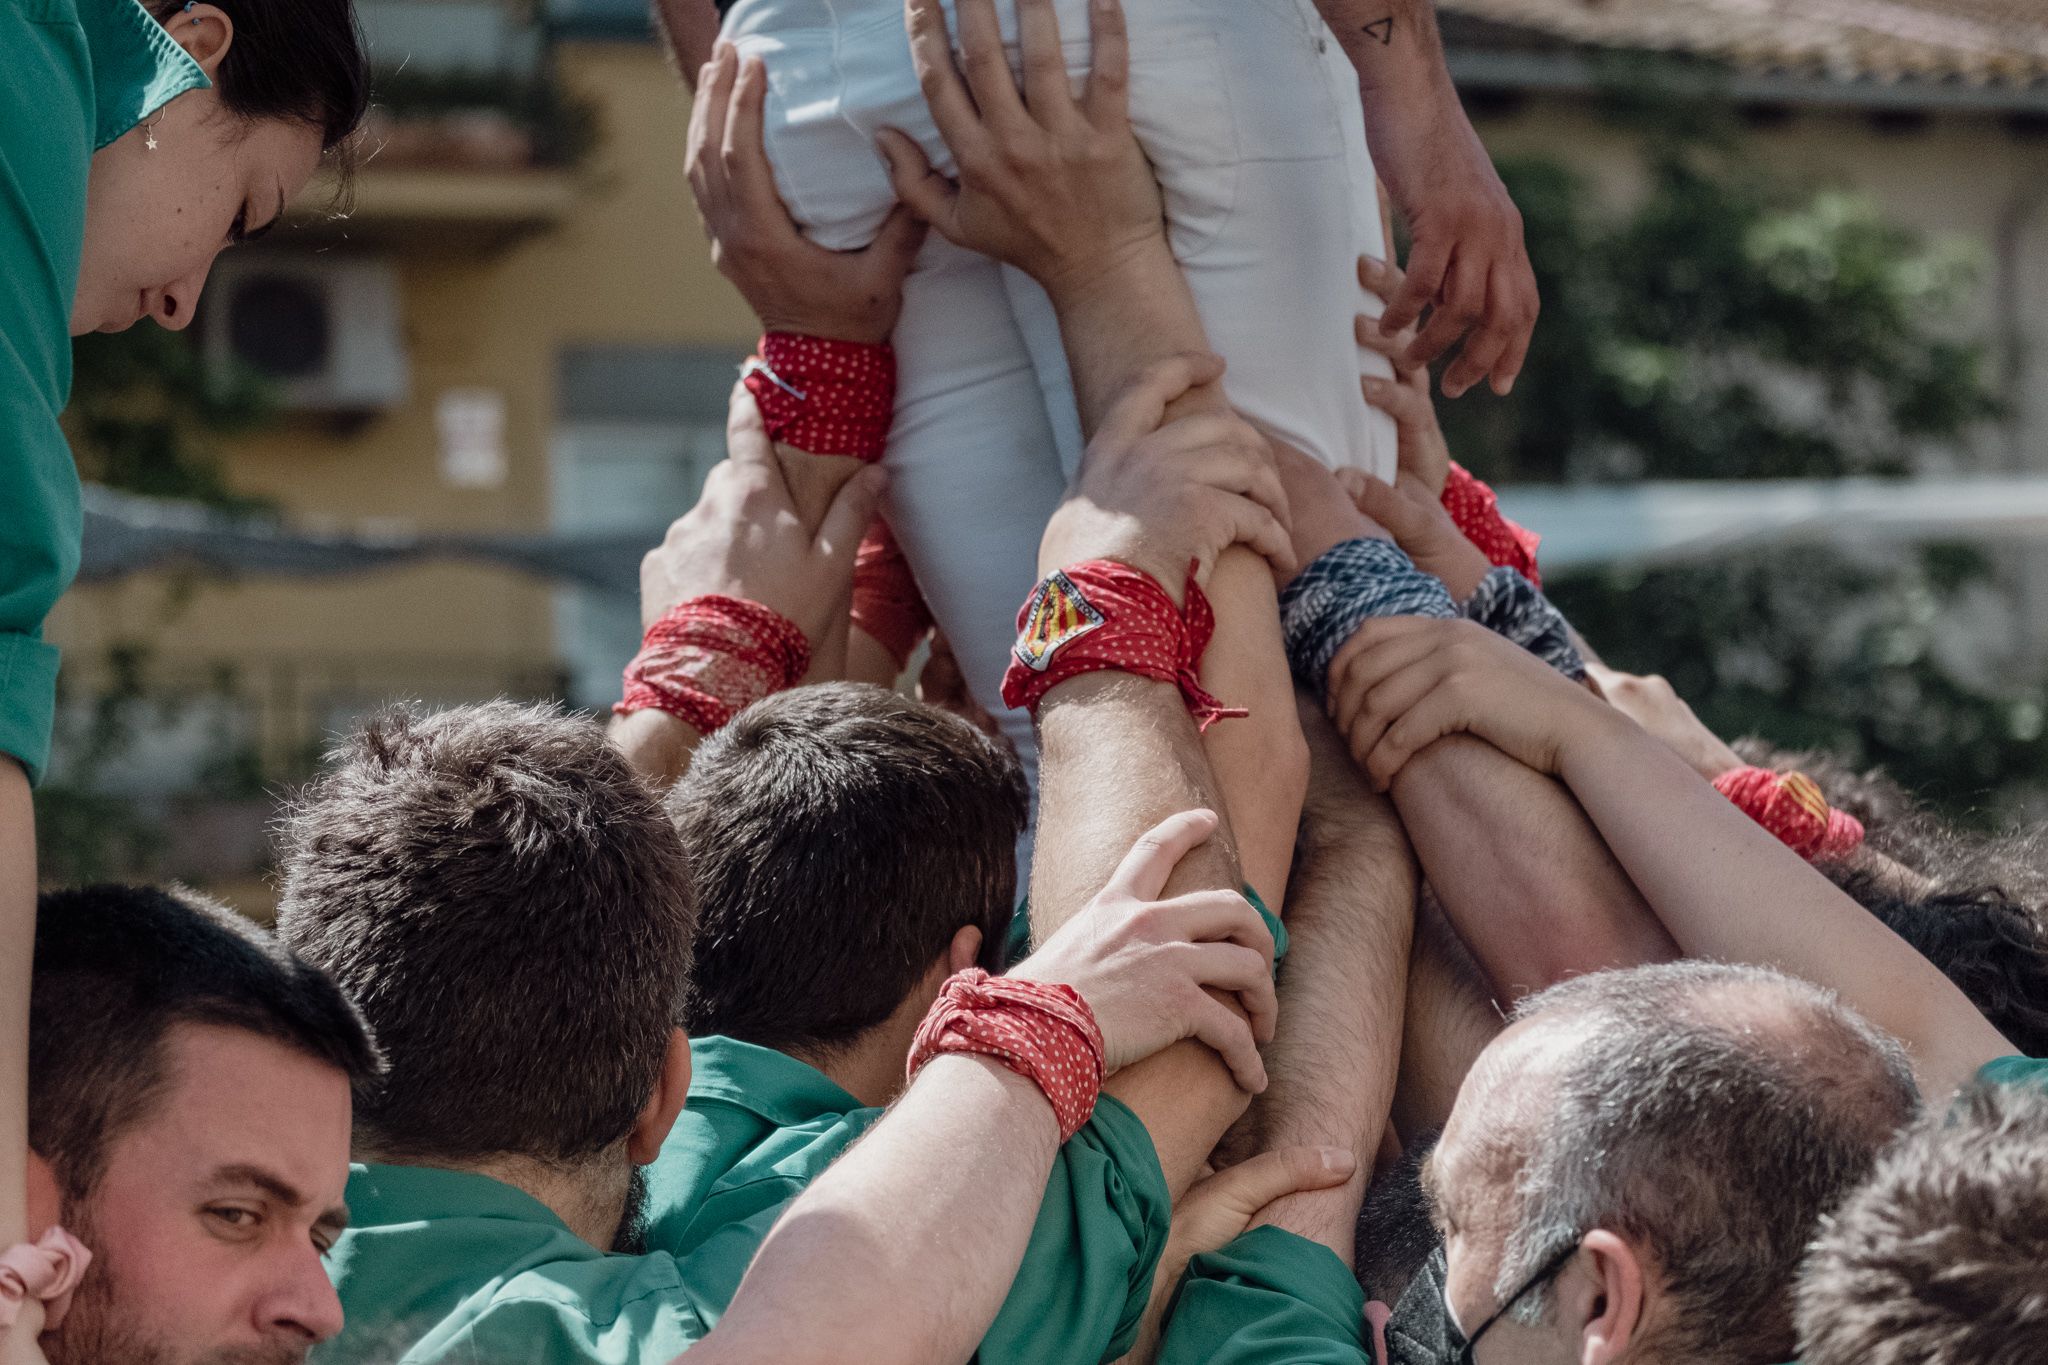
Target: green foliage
[1725, 324]
[143, 407]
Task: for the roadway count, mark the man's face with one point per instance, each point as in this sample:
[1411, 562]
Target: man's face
[209, 1224]
[1470, 1180]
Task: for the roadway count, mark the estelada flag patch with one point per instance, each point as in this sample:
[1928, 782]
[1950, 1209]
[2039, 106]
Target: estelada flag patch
[1056, 616]
[1807, 793]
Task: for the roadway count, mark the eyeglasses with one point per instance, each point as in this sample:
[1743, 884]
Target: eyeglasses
[1543, 1276]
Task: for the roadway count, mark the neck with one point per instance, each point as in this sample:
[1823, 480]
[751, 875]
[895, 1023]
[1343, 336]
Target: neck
[871, 1068]
[589, 1196]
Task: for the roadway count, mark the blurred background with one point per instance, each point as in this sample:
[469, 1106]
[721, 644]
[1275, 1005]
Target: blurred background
[1785, 424]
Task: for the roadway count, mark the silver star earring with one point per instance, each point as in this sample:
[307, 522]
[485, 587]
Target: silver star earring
[151, 142]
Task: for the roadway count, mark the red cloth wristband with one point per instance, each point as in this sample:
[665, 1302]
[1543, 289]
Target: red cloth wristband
[826, 397]
[709, 658]
[1041, 1030]
[46, 1270]
[886, 601]
[1476, 511]
[1793, 809]
[1105, 615]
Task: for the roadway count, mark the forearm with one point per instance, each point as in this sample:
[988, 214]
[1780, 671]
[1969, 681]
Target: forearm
[1351, 916]
[1726, 889]
[655, 743]
[1117, 754]
[690, 28]
[1394, 44]
[1520, 871]
[904, 1249]
[1126, 318]
[17, 952]
[1450, 1020]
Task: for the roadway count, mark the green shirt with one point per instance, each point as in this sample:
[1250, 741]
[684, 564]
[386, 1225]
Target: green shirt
[79, 73]
[1268, 1298]
[2015, 1071]
[760, 1125]
[445, 1266]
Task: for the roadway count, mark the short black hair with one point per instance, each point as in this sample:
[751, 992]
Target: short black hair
[1939, 1256]
[116, 967]
[298, 60]
[840, 836]
[505, 898]
[1990, 946]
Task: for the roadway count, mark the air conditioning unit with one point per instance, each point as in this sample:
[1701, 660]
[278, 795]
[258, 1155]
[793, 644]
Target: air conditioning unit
[327, 331]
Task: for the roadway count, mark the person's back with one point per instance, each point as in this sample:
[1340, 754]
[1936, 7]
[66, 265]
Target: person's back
[850, 849]
[1940, 1258]
[506, 902]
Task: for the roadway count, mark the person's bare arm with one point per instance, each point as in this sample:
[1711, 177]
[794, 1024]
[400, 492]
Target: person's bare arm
[745, 539]
[1332, 1069]
[1724, 888]
[1520, 871]
[1450, 1020]
[689, 29]
[931, 1211]
[1513, 860]
[1468, 264]
[1081, 214]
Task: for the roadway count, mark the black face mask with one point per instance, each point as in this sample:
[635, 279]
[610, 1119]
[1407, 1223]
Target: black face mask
[1463, 1346]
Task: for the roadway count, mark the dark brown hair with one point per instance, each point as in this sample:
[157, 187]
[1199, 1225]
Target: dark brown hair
[115, 968]
[840, 836]
[504, 898]
[298, 60]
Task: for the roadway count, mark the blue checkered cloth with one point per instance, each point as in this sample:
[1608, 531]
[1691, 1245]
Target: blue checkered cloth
[1345, 587]
[1510, 605]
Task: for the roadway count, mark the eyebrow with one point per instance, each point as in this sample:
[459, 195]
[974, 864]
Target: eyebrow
[283, 1191]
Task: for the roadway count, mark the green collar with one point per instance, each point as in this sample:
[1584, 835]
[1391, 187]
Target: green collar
[380, 1196]
[760, 1080]
[137, 67]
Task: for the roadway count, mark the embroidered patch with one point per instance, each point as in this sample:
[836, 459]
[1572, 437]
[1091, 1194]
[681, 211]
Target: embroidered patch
[1807, 793]
[1056, 616]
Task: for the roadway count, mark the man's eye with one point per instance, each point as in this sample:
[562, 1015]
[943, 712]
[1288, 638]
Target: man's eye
[241, 1220]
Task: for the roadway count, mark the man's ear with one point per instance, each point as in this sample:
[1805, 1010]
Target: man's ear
[45, 1200]
[966, 950]
[1606, 1295]
[643, 1144]
[206, 33]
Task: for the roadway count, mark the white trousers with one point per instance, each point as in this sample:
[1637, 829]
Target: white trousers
[1249, 113]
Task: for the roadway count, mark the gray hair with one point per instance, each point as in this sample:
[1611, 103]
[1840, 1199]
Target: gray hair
[1712, 1113]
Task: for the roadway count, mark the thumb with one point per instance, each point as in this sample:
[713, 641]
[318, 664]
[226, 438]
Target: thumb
[895, 247]
[851, 513]
[925, 192]
[1253, 1184]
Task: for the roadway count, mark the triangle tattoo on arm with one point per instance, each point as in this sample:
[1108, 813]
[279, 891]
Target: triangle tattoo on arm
[1382, 29]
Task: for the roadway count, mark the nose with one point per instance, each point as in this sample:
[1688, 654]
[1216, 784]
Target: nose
[174, 305]
[302, 1306]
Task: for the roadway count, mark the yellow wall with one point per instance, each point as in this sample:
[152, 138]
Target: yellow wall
[627, 265]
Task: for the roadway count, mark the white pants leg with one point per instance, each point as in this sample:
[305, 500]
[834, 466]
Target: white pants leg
[1249, 113]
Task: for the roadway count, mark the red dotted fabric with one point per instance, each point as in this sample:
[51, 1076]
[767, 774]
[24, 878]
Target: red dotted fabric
[711, 657]
[1105, 615]
[1476, 511]
[826, 397]
[886, 601]
[1792, 808]
[1041, 1030]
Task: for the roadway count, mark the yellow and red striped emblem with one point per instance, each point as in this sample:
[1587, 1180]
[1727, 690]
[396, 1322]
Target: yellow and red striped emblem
[1056, 616]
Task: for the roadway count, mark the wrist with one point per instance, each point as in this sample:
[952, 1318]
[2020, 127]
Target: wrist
[1106, 278]
[856, 331]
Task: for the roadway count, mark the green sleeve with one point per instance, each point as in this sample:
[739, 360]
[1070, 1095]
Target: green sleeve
[1081, 1291]
[46, 136]
[545, 1330]
[1269, 1298]
[2015, 1071]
